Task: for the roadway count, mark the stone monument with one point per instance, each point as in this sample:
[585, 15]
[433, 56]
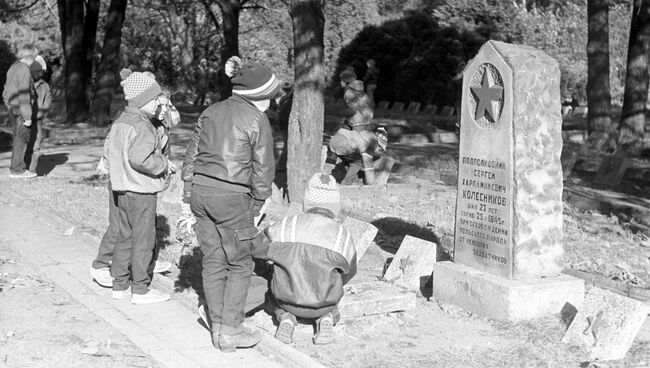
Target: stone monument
[508, 234]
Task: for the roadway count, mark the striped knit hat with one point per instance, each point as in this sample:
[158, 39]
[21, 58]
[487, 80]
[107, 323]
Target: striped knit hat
[140, 88]
[253, 81]
[323, 192]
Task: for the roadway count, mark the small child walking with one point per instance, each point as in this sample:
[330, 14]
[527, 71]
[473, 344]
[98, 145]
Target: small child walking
[135, 152]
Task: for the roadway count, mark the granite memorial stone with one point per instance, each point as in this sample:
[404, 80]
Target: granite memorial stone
[509, 204]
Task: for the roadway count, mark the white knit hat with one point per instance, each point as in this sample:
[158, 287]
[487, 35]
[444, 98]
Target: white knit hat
[140, 88]
[323, 192]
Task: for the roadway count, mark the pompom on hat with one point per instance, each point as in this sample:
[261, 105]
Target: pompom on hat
[140, 88]
[322, 192]
[253, 81]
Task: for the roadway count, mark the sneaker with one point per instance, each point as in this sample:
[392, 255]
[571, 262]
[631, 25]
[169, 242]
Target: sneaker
[151, 296]
[245, 339]
[118, 294]
[102, 276]
[324, 330]
[23, 175]
[162, 267]
[284, 332]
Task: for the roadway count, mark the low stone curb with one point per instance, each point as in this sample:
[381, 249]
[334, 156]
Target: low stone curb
[269, 346]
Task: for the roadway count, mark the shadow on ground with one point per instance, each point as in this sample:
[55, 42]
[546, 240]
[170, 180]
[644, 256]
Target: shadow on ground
[47, 163]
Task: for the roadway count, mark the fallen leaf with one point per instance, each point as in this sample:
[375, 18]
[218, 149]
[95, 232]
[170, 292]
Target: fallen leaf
[69, 231]
[90, 350]
[10, 333]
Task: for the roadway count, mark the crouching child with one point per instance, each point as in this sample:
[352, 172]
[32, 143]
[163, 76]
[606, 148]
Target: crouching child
[313, 256]
[136, 153]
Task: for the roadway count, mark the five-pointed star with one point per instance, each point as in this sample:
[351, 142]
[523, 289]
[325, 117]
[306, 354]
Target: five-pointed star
[485, 94]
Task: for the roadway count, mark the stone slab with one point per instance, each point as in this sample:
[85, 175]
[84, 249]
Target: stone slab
[509, 208]
[363, 234]
[612, 170]
[383, 168]
[413, 263]
[368, 298]
[503, 299]
[607, 324]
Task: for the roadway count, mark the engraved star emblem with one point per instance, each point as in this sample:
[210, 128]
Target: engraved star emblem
[485, 95]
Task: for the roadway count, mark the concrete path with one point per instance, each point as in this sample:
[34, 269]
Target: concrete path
[168, 332]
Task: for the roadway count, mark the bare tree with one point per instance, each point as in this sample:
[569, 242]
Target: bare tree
[76, 19]
[308, 107]
[635, 97]
[598, 89]
[107, 79]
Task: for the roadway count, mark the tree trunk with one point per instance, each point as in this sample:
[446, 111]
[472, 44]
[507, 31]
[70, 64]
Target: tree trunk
[108, 73]
[71, 19]
[89, 42]
[598, 90]
[230, 10]
[632, 126]
[308, 107]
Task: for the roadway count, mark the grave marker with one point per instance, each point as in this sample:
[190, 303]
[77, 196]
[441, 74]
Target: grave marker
[508, 232]
[397, 107]
[382, 105]
[413, 263]
[606, 325]
[363, 234]
[413, 108]
[447, 111]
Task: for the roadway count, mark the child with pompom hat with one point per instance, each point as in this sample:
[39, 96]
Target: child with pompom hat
[228, 170]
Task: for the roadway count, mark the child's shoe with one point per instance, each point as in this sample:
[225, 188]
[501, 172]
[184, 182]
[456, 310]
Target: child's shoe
[102, 276]
[118, 294]
[245, 339]
[284, 332]
[151, 296]
[324, 330]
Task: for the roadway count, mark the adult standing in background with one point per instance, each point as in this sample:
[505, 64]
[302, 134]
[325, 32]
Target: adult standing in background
[18, 96]
[370, 79]
[228, 170]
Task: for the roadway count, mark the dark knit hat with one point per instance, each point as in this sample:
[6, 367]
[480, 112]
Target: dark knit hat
[253, 81]
[323, 192]
[140, 88]
[35, 67]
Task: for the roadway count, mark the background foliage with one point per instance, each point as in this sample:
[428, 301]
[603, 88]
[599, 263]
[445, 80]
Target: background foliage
[419, 45]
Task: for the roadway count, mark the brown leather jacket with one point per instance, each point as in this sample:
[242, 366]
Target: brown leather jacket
[232, 143]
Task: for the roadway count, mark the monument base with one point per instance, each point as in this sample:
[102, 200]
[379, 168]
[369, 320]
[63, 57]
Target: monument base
[495, 297]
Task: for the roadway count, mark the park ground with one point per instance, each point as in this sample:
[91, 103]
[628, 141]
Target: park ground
[606, 244]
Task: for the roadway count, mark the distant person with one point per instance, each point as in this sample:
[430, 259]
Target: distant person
[347, 76]
[370, 79]
[41, 106]
[228, 170]
[360, 107]
[136, 157]
[100, 270]
[356, 150]
[202, 80]
[313, 256]
[18, 96]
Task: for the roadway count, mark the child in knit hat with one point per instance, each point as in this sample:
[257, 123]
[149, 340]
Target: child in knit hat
[136, 155]
[360, 149]
[316, 250]
[228, 170]
[163, 122]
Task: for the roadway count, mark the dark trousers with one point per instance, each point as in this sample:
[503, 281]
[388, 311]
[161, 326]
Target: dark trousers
[21, 138]
[107, 245]
[135, 243]
[280, 313]
[224, 228]
[33, 151]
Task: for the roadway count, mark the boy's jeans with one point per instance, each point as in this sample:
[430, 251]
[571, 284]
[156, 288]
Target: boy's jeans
[33, 152]
[107, 245]
[135, 242]
[224, 228]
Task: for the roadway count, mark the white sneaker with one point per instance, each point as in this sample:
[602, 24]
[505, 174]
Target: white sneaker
[162, 266]
[118, 294]
[23, 175]
[152, 296]
[102, 276]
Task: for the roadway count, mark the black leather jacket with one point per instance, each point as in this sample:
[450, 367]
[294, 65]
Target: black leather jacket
[233, 142]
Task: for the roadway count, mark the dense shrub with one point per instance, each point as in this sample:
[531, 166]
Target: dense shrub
[7, 58]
